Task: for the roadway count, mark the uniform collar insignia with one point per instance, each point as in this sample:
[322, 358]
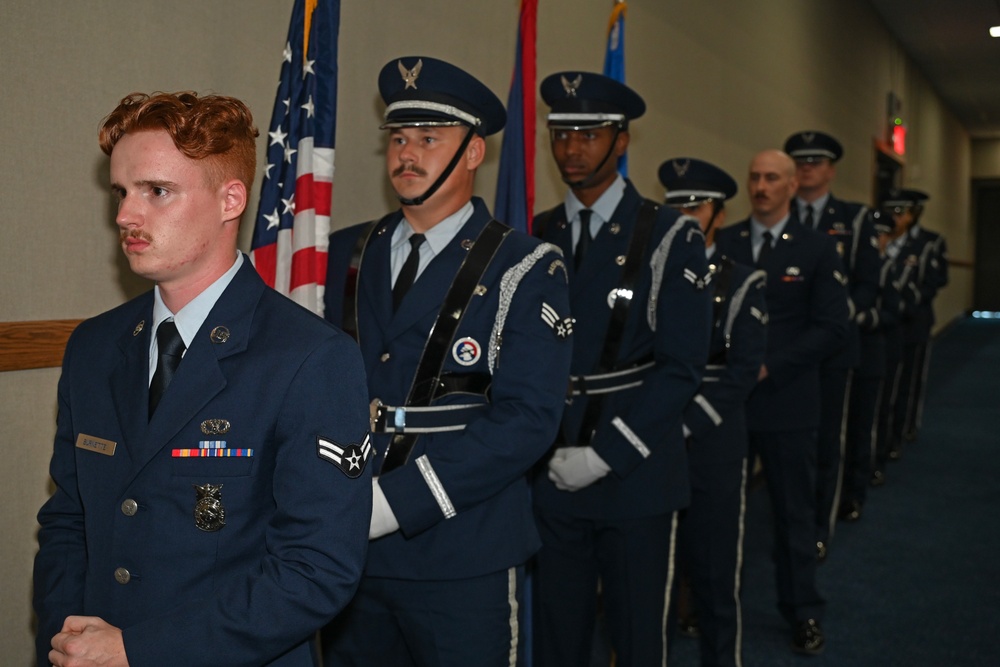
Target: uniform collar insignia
[410, 75]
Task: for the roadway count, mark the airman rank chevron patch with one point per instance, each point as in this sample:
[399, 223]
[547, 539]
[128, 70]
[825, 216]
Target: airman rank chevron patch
[562, 326]
[695, 279]
[351, 459]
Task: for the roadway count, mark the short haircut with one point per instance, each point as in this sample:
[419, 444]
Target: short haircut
[214, 128]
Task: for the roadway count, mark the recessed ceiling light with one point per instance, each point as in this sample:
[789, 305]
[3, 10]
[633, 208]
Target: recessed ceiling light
[995, 31]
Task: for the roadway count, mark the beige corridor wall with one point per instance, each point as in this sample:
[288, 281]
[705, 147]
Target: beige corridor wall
[723, 79]
[986, 158]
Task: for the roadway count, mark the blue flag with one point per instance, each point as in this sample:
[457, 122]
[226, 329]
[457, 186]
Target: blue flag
[614, 58]
[515, 199]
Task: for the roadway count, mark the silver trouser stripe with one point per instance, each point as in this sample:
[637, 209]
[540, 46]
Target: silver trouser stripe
[739, 568]
[709, 410]
[437, 489]
[630, 435]
[512, 601]
[670, 582]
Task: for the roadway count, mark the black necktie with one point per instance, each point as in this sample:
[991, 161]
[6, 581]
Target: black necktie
[808, 220]
[170, 348]
[407, 274]
[765, 250]
[584, 241]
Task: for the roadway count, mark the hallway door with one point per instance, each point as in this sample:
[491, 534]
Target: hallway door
[986, 289]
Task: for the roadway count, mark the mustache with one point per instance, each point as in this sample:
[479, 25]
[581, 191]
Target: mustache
[408, 169]
[134, 234]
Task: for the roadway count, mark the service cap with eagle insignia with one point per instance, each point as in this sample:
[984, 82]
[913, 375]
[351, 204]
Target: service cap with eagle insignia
[424, 91]
[584, 100]
[812, 146]
[689, 181]
[903, 199]
[350, 458]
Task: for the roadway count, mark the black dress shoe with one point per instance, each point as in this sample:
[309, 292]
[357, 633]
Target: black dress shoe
[850, 511]
[878, 478]
[821, 551]
[808, 638]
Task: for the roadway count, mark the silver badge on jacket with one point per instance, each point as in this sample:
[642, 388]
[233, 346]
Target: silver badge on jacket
[209, 513]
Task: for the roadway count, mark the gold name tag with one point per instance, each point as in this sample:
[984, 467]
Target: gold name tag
[95, 444]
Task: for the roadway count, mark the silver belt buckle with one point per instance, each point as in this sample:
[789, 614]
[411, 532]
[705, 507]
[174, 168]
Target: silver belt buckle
[374, 414]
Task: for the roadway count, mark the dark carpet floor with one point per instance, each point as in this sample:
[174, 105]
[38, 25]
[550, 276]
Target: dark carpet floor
[916, 581]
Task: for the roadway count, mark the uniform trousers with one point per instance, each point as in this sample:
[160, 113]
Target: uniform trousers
[834, 388]
[891, 398]
[909, 407]
[711, 549]
[453, 623]
[862, 418]
[789, 462]
[634, 561]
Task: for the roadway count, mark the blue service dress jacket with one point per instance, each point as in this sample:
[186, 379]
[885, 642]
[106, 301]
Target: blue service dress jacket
[462, 499]
[923, 266]
[851, 227]
[807, 321]
[639, 430]
[716, 416]
[118, 538]
[879, 322]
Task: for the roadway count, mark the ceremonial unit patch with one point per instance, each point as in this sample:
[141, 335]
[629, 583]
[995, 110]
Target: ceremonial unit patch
[466, 351]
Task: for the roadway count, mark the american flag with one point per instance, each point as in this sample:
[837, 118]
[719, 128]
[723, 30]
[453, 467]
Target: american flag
[515, 200]
[289, 245]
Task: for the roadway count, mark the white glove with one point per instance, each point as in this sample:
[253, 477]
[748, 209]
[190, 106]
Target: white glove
[383, 520]
[574, 468]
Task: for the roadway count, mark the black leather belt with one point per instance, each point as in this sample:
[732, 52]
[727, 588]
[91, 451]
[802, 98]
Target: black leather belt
[607, 383]
[430, 419]
[713, 372]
